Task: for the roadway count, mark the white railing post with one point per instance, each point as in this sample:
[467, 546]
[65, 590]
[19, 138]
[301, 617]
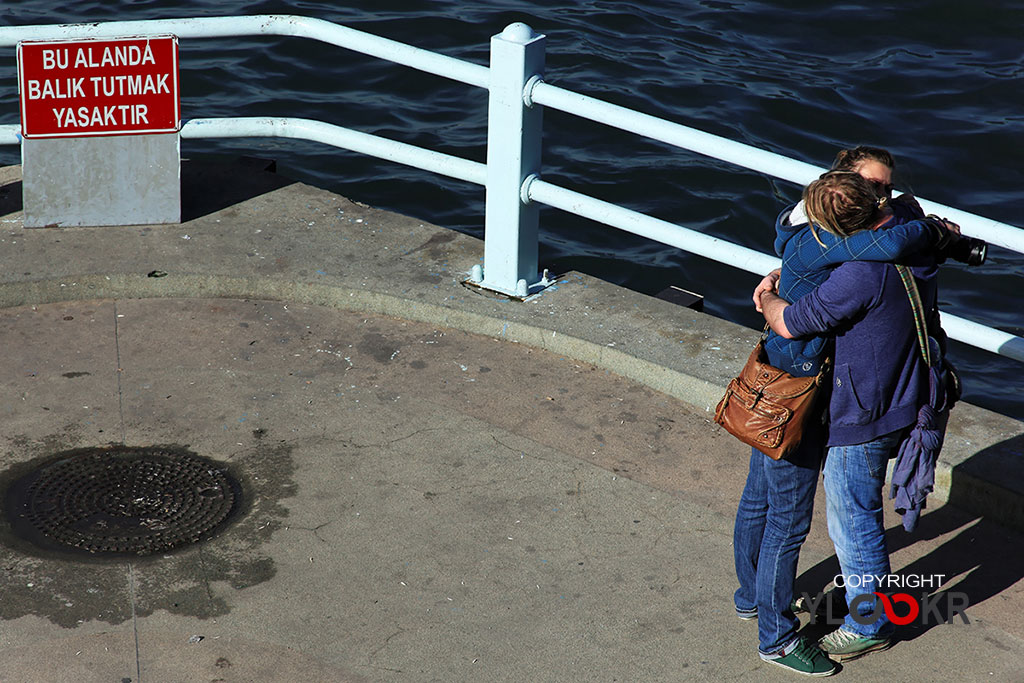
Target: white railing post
[513, 154]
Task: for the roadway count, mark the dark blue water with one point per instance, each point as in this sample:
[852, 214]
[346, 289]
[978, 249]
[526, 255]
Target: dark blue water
[941, 84]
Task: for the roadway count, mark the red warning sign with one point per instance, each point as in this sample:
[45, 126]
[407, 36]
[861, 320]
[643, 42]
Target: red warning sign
[120, 86]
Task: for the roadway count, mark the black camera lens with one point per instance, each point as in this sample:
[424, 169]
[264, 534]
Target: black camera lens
[969, 250]
[979, 252]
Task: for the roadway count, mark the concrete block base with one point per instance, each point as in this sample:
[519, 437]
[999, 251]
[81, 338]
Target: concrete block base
[114, 180]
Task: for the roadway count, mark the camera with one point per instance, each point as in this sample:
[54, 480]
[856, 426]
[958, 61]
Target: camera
[952, 244]
[969, 250]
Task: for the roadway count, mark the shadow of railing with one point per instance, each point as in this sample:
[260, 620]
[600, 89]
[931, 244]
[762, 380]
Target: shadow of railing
[10, 198]
[208, 186]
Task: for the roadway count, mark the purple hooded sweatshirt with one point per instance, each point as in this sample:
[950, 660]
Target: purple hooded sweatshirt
[880, 380]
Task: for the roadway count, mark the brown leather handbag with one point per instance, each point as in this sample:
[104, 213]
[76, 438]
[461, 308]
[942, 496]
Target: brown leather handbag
[768, 408]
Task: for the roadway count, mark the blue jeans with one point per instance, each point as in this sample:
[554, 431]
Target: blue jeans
[772, 521]
[854, 478]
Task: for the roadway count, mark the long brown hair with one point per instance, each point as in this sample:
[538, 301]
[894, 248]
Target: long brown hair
[841, 202]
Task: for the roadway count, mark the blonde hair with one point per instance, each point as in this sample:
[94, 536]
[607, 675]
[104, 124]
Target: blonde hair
[841, 202]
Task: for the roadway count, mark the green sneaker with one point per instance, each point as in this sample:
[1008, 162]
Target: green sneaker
[842, 645]
[805, 658]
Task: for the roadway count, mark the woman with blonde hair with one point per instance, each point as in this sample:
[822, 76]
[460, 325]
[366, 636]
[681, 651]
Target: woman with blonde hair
[843, 203]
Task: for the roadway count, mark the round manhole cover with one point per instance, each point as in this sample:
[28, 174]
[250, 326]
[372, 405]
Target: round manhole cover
[122, 500]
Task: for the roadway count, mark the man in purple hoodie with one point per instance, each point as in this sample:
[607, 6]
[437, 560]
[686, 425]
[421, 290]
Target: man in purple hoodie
[879, 383]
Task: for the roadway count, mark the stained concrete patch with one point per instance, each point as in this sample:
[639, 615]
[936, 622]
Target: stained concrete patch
[71, 590]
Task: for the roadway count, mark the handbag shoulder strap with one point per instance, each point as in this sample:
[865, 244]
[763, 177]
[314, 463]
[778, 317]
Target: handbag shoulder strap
[918, 309]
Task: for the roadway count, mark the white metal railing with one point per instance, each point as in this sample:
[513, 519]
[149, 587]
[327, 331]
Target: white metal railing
[266, 24]
[512, 172]
[337, 136]
[739, 154]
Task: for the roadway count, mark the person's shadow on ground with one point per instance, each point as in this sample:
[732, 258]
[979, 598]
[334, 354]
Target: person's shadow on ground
[979, 561]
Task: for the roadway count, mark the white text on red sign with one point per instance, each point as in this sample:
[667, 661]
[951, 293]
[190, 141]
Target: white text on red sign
[108, 87]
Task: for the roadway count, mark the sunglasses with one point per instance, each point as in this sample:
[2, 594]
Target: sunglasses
[883, 189]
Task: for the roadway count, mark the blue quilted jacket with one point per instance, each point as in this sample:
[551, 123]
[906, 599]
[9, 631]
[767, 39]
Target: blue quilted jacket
[806, 264]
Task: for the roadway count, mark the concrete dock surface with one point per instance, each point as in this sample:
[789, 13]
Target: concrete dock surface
[439, 484]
